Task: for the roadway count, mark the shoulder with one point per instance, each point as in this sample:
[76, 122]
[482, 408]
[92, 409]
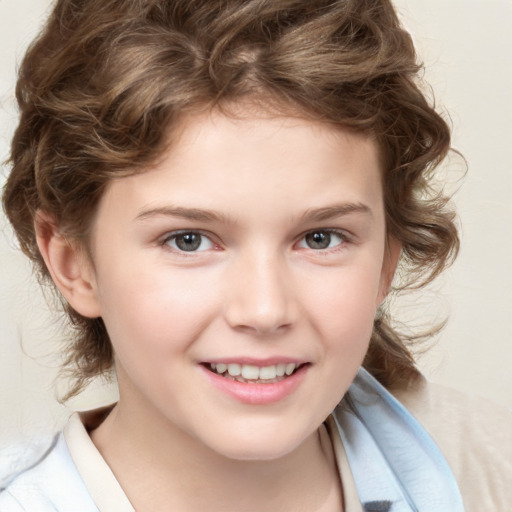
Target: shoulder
[51, 484]
[474, 435]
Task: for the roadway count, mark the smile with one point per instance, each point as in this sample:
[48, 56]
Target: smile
[254, 374]
[256, 384]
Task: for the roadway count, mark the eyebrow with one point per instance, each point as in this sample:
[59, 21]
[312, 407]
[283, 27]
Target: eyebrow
[335, 211]
[197, 214]
[202, 215]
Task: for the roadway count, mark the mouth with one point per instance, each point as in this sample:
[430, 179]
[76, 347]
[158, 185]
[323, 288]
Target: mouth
[253, 374]
[255, 382]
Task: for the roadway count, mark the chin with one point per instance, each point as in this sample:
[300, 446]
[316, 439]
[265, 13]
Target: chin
[259, 447]
[257, 454]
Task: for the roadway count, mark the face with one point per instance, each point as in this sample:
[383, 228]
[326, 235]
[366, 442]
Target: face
[239, 278]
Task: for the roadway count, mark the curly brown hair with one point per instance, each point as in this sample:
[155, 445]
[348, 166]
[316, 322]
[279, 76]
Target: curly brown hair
[106, 80]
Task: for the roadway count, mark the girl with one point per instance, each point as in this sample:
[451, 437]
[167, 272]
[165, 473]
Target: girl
[221, 193]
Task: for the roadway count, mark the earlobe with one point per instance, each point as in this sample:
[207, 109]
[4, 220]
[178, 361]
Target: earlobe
[70, 269]
[393, 251]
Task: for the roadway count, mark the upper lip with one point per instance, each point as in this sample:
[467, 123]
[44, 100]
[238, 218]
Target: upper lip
[271, 361]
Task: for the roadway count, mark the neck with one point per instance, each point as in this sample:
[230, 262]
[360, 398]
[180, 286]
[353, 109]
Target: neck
[161, 467]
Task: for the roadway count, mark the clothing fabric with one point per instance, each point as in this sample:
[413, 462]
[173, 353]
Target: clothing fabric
[391, 456]
[386, 459]
[53, 485]
[475, 437]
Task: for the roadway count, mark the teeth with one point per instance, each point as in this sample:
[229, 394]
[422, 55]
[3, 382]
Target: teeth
[289, 368]
[268, 372]
[234, 370]
[220, 368]
[252, 372]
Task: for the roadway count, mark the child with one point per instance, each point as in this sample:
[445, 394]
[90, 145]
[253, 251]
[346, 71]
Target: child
[221, 192]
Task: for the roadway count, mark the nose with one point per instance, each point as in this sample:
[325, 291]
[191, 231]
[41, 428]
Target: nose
[260, 298]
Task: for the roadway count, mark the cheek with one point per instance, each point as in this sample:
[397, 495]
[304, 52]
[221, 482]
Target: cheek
[344, 307]
[158, 312]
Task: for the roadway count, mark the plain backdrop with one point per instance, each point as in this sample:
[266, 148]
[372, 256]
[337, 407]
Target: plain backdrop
[466, 46]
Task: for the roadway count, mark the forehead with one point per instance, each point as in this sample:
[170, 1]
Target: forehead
[223, 162]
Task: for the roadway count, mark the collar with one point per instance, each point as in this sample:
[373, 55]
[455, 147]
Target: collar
[396, 465]
[101, 483]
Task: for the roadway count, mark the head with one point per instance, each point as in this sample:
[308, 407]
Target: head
[109, 88]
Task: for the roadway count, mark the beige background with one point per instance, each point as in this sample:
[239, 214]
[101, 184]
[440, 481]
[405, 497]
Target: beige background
[466, 47]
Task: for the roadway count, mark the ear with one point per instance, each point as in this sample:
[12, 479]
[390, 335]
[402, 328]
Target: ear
[69, 266]
[392, 253]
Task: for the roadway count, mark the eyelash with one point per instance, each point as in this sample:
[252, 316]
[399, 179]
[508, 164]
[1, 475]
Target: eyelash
[174, 235]
[342, 235]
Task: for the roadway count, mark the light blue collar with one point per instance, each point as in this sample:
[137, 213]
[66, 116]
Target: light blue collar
[396, 465]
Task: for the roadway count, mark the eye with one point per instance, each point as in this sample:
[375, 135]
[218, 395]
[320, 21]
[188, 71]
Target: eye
[322, 239]
[188, 241]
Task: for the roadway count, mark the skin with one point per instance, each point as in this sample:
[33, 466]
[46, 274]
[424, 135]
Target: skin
[255, 191]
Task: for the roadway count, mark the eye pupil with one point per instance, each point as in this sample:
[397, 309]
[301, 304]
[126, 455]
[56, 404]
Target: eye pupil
[318, 240]
[188, 241]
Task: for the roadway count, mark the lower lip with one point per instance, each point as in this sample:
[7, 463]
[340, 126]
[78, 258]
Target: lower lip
[257, 394]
